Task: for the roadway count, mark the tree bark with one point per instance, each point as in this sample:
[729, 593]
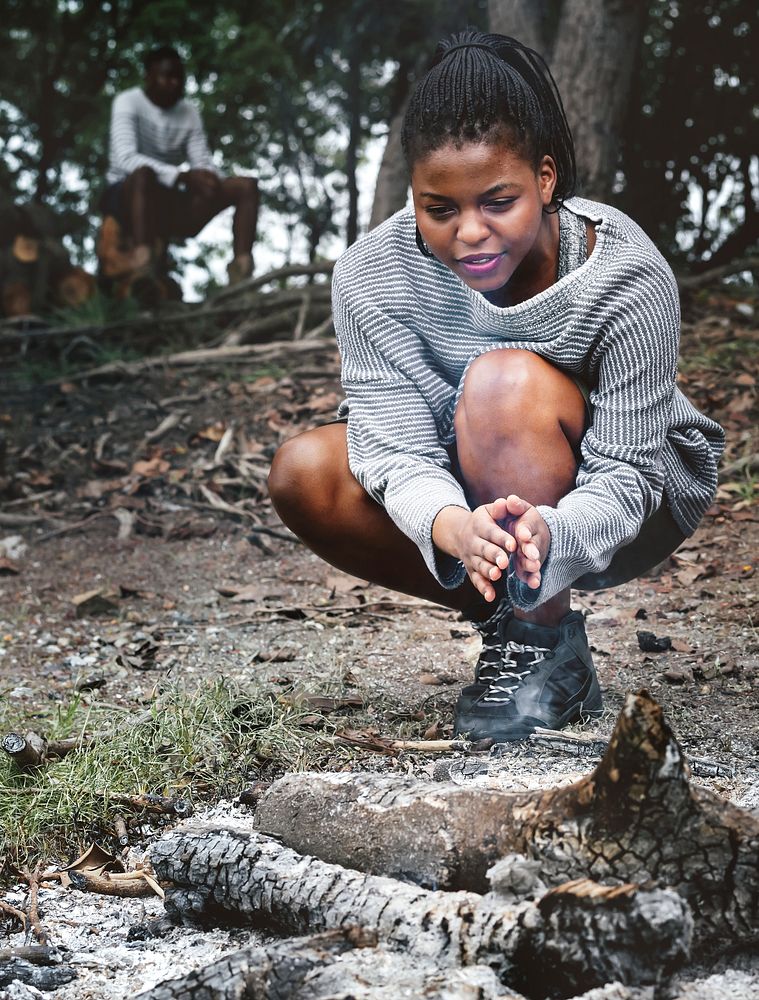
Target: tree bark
[354, 141]
[533, 22]
[391, 192]
[593, 59]
[632, 819]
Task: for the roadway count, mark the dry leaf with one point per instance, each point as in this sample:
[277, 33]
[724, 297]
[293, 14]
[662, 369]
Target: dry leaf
[95, 602]
[156, 466]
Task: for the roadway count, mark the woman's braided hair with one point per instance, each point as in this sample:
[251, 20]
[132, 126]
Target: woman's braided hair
[490, 88]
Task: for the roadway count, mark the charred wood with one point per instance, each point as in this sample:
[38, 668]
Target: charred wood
[230, 874]
[635, 818]
[323, 967]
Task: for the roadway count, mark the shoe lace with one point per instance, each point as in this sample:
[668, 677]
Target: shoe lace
[513, 672]
[490, 658]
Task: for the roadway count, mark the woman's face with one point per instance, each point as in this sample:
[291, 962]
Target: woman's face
[479, 209]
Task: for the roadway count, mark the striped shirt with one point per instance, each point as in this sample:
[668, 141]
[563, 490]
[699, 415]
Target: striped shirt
[407, 329]
[144, 135]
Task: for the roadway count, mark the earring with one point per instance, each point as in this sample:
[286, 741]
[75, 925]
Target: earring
[423, 248]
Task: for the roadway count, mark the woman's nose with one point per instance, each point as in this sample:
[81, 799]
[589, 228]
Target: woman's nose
[472, 228]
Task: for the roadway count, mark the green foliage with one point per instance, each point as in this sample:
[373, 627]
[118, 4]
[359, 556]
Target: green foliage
[694, 127]
[292, 91]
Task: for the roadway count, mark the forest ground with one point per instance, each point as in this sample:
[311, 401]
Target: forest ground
[150, 490]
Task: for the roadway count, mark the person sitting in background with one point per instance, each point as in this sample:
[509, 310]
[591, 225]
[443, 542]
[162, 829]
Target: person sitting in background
[162, 183]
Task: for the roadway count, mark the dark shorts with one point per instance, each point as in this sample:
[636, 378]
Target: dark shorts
[174, 210]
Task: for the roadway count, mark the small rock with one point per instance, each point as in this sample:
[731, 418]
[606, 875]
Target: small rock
[650, 643]
[13, 547]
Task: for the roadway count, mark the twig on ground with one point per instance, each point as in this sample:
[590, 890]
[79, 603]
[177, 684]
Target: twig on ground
[66, 529]
[151, 803]
[584, 746]
[17, 914]
[33, 881]
[125, 884]
[37, 954]
[261, 529]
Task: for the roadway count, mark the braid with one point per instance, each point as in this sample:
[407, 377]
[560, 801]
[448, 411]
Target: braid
[481, 86]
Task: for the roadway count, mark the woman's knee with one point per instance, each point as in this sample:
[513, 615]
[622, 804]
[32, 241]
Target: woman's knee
[305, 475]
[502, 388]
[505, 378]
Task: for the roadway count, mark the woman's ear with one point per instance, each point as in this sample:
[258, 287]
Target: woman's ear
[547, 178]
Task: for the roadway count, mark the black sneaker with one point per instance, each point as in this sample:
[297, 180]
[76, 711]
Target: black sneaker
[490, 659]
[547, 680]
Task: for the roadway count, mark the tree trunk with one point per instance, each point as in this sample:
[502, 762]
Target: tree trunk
[634, 818]
[590, 46]
[391, 192]
[593, 59]
[354, 141]
[533, 22]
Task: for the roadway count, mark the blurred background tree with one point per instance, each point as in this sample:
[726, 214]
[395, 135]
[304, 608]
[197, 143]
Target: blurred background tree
[661, 95]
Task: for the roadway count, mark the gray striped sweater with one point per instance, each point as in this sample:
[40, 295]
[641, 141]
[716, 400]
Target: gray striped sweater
[408, 327]
[144, 135]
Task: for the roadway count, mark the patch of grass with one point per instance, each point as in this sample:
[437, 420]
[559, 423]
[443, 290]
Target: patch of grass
[98, 310]
[201, 745]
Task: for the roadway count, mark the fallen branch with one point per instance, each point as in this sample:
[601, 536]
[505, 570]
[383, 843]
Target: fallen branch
[692, 282]
[635, 817]
[583, 746]
[40, 977]
[32, 750]
[578, 936]
[163, 804]
[36, 954]
[202, 356]
[127, 885]
[291, 271]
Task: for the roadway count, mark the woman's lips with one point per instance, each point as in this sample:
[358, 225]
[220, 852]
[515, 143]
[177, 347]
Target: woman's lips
[479, 264]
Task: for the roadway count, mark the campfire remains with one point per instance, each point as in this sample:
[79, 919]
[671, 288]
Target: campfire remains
[451, 890]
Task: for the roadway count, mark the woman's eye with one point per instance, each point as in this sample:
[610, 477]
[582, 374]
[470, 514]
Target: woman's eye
[501, 203]
[438, 211]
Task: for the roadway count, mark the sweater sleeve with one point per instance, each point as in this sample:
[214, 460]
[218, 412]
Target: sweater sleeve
[124, 152]
[198, 154]
[394, 448]
[621, 477]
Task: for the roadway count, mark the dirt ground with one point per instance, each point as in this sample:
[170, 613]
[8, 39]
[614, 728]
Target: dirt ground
[151, 491]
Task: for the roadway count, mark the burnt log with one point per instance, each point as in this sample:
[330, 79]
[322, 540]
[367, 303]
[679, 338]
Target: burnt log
[42, 977]
[635, 818]
[232, 874]
[325, 966]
